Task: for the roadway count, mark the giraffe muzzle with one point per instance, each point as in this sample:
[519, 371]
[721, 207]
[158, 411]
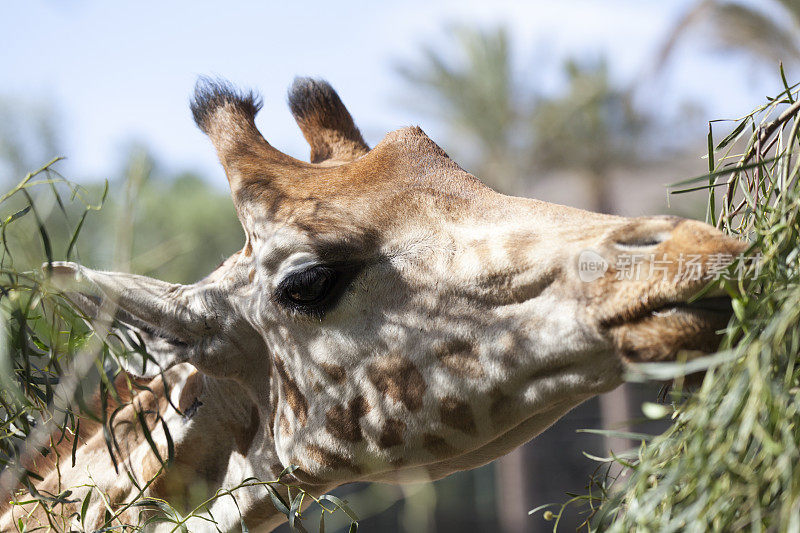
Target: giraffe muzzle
[662, 332]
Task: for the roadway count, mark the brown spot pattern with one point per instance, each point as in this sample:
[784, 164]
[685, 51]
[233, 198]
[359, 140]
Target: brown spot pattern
[286, 429]
[291, 392]
[459, 357]
[518, 246]
[342, 422]
[392, 433]
[273, 411]
[330, 460]
[437, 445]
[458, 415]
[334, 371]
[397, 378]
[501, 408]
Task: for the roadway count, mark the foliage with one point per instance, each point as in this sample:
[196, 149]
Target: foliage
[39, 334]
[54, 360]
[729, 460]
[173, 226]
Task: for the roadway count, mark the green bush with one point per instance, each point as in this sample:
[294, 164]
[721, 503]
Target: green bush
[729, 461]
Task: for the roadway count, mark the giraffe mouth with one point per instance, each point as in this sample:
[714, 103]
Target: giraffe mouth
[660, 332]
[713, 305]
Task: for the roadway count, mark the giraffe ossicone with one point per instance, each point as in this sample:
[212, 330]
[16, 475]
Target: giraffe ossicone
[389, 318]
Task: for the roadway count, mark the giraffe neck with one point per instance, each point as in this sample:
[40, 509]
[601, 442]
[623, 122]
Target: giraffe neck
[221, 436]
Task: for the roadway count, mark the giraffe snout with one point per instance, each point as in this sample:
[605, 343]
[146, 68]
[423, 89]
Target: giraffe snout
[692, 236]
[657, 268]
[671, 237]
[644, 233]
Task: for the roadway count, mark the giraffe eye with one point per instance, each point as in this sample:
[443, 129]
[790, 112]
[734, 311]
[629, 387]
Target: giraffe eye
[317, 289]
[310, 286]
[311, 291]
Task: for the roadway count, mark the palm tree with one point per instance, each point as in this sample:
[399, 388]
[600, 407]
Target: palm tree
[507, 131]
[769, 33]
[476, 97]
[591, 128]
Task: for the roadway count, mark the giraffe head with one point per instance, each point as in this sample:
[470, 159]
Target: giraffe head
[395, 317]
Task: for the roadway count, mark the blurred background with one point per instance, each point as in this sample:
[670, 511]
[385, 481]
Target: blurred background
[592, 104]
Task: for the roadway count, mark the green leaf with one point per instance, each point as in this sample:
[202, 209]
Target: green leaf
[341, 504]
[48, 249]
[277, 501]
[541, 508]
[722, 172]
[286, 471]
[786, 84]
[19, 214]
[617, 434]
[170, 444]
[85, 506]
[294, 510]
[738, 309]
[732, 136]
[148, 436]
[669, 371]
[75, 233]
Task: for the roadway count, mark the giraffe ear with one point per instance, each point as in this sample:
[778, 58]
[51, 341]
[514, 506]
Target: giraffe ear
[166, 321]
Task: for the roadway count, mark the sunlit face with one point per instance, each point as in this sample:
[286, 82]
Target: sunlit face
[398, 315]
[403, 290]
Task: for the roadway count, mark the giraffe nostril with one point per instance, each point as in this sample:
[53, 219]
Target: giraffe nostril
[638, 242]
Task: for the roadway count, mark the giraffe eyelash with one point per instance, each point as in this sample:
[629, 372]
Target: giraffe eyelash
[315, 290]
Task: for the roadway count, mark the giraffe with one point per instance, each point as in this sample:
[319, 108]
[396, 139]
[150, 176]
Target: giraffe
[389, 319]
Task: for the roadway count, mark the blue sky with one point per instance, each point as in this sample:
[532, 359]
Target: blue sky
[118, 72]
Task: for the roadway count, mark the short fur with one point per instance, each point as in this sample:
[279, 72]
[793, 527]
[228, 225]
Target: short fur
[325, 121]
[465, 331]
